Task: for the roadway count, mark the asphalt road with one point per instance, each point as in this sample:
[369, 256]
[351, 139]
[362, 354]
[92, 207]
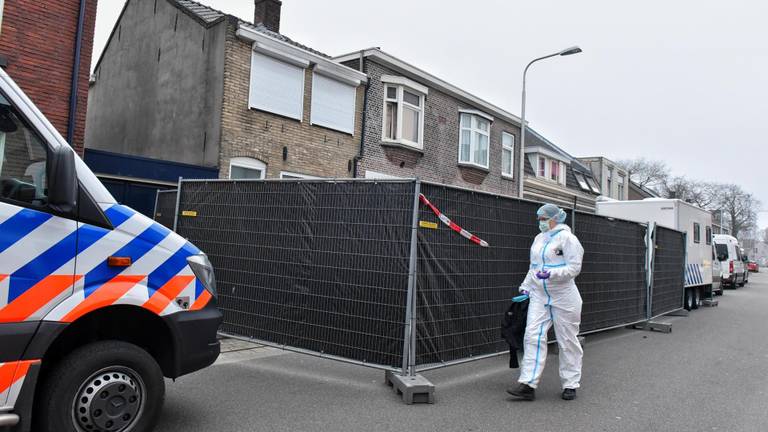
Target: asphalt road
[709, 374]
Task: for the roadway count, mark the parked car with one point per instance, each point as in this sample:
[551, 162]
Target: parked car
[753, 267]
[733, 271]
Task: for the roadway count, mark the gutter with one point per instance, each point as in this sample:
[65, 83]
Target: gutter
[76, 74]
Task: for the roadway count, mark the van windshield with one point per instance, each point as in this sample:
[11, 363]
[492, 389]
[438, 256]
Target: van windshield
[722, 250]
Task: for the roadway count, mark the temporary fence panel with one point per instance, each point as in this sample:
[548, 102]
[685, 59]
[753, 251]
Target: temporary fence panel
[315, 265]
[464, 289]
[165, 207]
[668, 271]
[612, 282]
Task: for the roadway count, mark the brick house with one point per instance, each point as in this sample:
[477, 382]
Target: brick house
[46, 48]
[418, 125]
[206, 92]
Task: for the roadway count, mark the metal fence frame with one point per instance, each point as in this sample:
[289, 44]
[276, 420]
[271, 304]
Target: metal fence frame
[409, 366]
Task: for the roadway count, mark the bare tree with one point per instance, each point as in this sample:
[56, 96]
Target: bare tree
[645, 172]
[739, 207]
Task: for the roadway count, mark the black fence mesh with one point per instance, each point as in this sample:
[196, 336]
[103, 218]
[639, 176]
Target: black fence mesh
[320, 266]
[612, 282]
[463, 289]
[668, 272]
[165, 207]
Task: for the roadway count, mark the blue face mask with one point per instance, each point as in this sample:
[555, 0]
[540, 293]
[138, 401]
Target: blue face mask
[544, 226]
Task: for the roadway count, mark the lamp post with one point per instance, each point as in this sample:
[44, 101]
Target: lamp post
[521, 163]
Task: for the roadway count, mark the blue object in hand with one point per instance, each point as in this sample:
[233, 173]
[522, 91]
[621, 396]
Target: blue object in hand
[520, 298]
[542, 274]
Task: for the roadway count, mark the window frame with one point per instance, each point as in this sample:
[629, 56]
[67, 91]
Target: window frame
[248, 163]
[708, 233]
[400, 101]
[295, 176]
[474, 118]
[511, 149]
[582, 181]
[696, 232]
[593, 185]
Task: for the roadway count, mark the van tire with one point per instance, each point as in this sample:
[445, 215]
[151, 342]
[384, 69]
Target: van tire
[116, 371]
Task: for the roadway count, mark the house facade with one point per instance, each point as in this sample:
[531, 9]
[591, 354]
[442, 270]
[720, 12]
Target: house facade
[200, 89]
[553, 175]
[613, 179]
[46, 47]
[417, 125]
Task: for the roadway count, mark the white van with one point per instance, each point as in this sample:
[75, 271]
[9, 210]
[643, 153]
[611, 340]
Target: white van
[733, 271]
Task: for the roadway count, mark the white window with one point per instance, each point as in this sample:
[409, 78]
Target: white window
[507, 154]
[474, 139]
[333, 104]
[293, 175]
[403, 115]
[276, 86]
[551, 169]
[593, 184]
[247, 168]
[542, 169]
[620, 186]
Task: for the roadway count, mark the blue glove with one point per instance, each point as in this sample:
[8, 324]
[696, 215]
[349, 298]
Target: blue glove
[520, 298]
[542, 274]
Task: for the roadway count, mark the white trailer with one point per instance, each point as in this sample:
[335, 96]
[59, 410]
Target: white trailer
[681, 216]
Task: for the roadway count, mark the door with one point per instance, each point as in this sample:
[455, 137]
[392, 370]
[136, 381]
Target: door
[37, 248]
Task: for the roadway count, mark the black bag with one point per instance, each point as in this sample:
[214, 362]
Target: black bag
[513, 329]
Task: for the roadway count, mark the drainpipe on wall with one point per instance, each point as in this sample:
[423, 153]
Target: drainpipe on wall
[359, 155]
[76, 74]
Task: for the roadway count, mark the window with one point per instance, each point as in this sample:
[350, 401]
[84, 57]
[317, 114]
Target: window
[609, 182]
[473, 140]
[696, 232]
[293, 175]
[593, 184]
[276, 86]
[247, 168]
[333, 104]
[542, 172]
[554, 171]
[22, 160]
[620, 188]
[507, 154]
[403, 115]
[582, 181]
[708, 232]
[722, 251]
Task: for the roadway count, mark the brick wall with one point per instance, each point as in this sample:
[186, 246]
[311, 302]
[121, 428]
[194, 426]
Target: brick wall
[312, 150]
[439, 161]
[37, 39]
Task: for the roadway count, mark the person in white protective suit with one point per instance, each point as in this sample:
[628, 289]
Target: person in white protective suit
[556, 257]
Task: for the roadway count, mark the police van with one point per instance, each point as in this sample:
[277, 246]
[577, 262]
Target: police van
[97, 302]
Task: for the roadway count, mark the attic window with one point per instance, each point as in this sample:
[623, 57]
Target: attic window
[582, 181]
[593, 185]
[551, 169]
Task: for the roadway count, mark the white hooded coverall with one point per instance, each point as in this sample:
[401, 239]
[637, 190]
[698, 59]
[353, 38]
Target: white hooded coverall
[554, 300]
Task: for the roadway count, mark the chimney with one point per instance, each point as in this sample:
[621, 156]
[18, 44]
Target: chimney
[268, 13]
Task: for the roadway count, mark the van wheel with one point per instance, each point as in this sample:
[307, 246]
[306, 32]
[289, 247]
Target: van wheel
[688, 304]
[111, 386]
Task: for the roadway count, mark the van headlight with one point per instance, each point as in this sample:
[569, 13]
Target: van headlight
[203, 270]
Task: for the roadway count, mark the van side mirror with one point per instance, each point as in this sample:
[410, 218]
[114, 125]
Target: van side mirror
[61, 176]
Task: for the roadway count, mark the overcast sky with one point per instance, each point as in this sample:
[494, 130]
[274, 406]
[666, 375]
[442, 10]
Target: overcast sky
[682, 81]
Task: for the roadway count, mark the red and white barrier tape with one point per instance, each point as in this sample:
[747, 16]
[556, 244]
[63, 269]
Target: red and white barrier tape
[443, 218]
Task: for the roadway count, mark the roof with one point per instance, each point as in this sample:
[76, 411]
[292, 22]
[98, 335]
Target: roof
[210, 16]
[432, 81]
[534, 139]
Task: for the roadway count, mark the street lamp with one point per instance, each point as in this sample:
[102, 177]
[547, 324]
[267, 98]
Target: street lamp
[565, 52]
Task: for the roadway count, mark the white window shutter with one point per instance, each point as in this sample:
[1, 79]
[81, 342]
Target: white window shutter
[276, 86]
[333, 104]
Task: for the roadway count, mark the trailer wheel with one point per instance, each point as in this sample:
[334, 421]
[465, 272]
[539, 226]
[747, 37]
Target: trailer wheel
[104, 386]
[688, 304]
[696, 298]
